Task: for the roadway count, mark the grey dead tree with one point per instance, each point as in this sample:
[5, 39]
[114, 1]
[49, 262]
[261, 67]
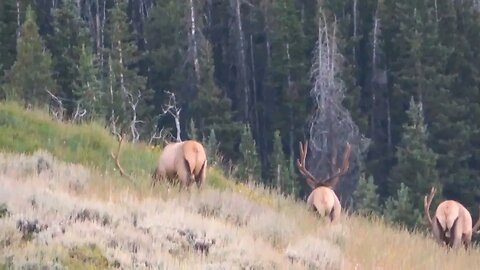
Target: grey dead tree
[331, 125]
[239, 36]
[172, 109]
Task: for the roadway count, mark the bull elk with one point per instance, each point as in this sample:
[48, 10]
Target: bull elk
[453, 223]
[185, 160]
[322, 198]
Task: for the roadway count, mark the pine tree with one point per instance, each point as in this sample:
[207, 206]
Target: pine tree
[286, 88]
[291, 185]
[30, 77]
[87, 88]
[69, 35]
[212, 108]
[127, 87]
[415, 160]
[249, 166]
[192, 130]
[212, 148]
[400, 209]
[8, 28]
[278, 164]
[365, 197]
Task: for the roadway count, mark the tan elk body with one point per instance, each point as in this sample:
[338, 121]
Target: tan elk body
[322, 198]
[452, 224]
[185, 160]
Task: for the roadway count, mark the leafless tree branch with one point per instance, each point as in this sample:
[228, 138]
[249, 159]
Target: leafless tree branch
[172, 109]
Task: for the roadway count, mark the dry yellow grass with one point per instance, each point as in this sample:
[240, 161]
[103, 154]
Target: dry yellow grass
[98, 221]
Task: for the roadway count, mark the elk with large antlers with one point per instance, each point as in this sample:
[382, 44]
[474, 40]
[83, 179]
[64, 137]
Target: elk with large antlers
[185, 160]
[453, 223]
[322, 198]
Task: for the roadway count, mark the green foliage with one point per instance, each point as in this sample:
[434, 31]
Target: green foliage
[127, 86]
[278, 164]
[212, 109]
[88, 256]
[8, 31]
[31, 74]
[88, 89]
[365, 197]
[212, 148]
[400, 209]
[69, 36]
[249, 165]
[192, 130]
[3, 210]
[416, 167]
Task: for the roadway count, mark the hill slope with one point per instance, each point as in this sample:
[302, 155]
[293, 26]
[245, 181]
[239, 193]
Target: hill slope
[66, 207]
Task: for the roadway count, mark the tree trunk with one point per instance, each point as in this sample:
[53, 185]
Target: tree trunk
[241, 56]
[193, 40]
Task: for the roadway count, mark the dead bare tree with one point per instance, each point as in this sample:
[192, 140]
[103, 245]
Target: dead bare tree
[172, 109]
[331, 124]
[235, 6]
[78, 113]
[133, 102]
[193, 39]
[56, 108]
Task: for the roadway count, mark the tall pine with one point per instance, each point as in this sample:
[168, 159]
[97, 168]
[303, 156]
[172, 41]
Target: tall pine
[30, 77]
[212, 109]
[8, 30]
[69, 35]
[249, 164]
[88, 87]
[279, 174]
[416, 162]
[128, 93]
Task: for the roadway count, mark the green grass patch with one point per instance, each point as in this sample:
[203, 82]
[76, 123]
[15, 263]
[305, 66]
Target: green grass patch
[85, 257]
[88, 144]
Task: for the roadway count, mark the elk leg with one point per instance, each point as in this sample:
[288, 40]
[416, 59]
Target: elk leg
[201, 176]
[455, 235]
[439, 232]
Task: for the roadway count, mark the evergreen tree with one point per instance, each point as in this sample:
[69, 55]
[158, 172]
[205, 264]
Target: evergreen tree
[212, 109]
[192, 130]
[365, 197]
[400, 209]
[87, 88]
[166, 49]
[291, 185]
[249, 166]
[212, 148]
[30, 77]
[415, 160]
[286, 88]
[8, 29]
[127, 87]
[278, 164]
[69, 35]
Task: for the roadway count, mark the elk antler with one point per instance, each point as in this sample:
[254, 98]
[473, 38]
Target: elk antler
[333, 180]
[477, 224]
[311, 180]
[116, 158]
[426, 204]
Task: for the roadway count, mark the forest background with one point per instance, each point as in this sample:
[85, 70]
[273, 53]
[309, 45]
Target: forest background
[400, 80]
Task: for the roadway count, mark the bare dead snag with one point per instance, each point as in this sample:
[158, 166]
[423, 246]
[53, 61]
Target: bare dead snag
[116, 158]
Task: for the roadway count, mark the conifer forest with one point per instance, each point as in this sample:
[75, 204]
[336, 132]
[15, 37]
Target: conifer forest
[397, 79]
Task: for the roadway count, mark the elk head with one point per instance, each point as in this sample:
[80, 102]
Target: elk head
[322, 198]
[453, 223]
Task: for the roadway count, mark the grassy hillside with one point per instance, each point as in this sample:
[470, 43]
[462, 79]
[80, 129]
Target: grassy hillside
[63, 206]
